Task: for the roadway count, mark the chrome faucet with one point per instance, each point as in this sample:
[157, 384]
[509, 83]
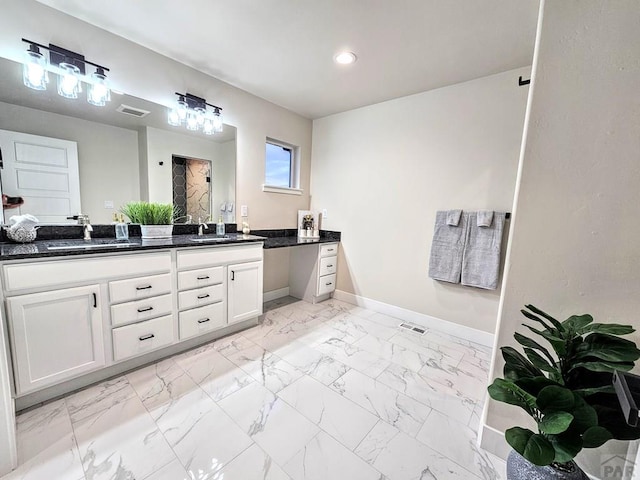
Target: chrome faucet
[87, 231]
[85, 222]
[201, 227]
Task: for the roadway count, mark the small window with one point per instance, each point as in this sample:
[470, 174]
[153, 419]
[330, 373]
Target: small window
[281, 165]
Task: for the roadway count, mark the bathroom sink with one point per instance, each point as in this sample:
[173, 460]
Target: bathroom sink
[90, 246]
[210, 239]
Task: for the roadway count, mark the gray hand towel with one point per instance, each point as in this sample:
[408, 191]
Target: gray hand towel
[453, 217]
[445, 261]
[481, 255]
[485, 217]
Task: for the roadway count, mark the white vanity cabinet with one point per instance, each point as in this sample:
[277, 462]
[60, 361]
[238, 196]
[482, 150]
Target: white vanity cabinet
[56, 335]
[312, 271]
[218, 286]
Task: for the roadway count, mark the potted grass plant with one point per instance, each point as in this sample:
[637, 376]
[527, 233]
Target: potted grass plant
[567, 389]
[155, 219]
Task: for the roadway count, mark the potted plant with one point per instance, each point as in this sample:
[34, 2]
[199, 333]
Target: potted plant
[155, 219]
[567, 390]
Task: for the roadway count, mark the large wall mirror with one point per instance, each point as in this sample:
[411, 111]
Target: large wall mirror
[65, 157]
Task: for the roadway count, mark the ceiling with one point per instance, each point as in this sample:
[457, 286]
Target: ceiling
[282, 50]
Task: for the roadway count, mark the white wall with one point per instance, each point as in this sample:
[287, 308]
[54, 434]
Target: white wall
[384, 170]
[575, 244]
[107, 156]
[145, 74]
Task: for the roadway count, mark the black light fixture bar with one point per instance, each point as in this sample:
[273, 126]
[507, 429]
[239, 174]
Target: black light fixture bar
[58, 55]
[194, 101]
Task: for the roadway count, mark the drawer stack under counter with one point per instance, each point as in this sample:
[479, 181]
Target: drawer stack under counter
[201, 301]
[312, 271]
[141, 315]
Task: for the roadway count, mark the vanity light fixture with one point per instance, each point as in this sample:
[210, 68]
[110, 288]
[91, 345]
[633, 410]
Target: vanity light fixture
[71, 70]
[192, 112]
[345, 58]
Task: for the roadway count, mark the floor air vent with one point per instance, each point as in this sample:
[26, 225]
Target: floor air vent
[413, 328]
[133, 111]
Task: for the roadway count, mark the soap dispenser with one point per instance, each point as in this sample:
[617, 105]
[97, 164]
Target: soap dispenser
[220, 226]
[122, 229]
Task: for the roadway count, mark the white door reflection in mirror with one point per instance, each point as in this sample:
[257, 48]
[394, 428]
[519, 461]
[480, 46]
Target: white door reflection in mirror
[44, 172]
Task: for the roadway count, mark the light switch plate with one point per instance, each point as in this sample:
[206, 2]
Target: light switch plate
[324, 213]
[108, 204]
[244, 211]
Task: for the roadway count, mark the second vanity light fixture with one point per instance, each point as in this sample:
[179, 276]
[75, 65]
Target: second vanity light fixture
[71, 70]
[192, 112]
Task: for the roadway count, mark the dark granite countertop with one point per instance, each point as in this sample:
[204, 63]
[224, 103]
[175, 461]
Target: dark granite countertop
[58, 246]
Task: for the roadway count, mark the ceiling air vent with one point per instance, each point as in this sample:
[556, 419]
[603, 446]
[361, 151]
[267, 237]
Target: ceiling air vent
[133, 111]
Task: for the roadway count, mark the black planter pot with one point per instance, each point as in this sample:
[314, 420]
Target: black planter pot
[519, 468]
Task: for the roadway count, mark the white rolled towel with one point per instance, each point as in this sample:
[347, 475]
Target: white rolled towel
[453, 217]
[485, 218]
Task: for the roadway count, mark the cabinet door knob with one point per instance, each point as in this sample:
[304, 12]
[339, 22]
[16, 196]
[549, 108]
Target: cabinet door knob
[146, 337]
[204, 277]
[203, 296]
[146, 309]
[204, 320]
[144, 288]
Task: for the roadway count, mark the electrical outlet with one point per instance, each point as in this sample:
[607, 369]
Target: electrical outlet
[244, 211]
[108, 204]
[324, 213]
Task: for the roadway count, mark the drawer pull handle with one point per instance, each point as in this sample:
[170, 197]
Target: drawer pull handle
[144, 288]
[327, 284]
[233, 275]
[146, 309]
[329, 266]
[95, 300]
[329, 249]
[206, 295]
[204, 277]
[204, 320]
[146, 337]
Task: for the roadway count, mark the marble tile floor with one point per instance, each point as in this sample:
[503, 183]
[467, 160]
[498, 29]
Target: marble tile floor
[314, 392]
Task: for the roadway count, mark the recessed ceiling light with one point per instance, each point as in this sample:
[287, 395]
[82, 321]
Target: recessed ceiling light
[345, 58]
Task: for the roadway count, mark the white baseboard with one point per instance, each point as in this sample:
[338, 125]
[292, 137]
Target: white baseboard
[274, 294]
[427, 321]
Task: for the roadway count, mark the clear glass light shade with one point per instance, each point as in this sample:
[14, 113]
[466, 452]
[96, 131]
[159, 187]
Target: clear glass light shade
[182, 109]
[34, 73]
[217, 122]
[174, 117]
[69, 85]
[208, 128]
[192, 120]
[200, 113]
[98, 93]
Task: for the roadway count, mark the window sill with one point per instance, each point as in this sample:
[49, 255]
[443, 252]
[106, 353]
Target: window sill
[285, 190]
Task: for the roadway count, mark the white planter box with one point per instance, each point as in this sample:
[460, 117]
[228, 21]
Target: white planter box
[156, 231]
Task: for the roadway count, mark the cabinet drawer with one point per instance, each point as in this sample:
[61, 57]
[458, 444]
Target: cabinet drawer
[326, 284]
[141, 309]
[202, 320]
[329, 250]
[218, 255]
[328, 265]
[56, 272]
[141, 287]
[142, 337]
[200, 297]
[200, 278]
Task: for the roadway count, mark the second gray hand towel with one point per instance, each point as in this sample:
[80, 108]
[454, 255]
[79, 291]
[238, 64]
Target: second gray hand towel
[481, 257]
[445, 261]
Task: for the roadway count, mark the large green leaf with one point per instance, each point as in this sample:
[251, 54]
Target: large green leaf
[537, 360]
[585, 392]
[594, 366]
[555, 399]
[556, 422]
[575, 323]
[557, 343]
[508, 392]
[609, 328]
[566, 446]
[533, 385]
[584, 418]
[532, 446]
[528, 342]
[517, 366]
[609, 348]
[595, 437]
[555, 322]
